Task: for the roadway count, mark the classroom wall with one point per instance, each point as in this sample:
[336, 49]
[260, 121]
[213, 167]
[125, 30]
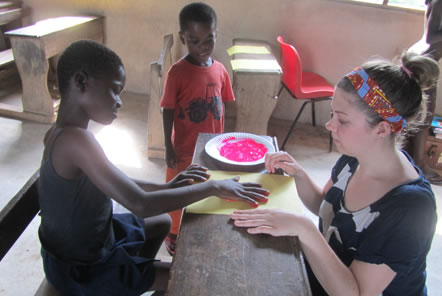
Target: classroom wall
[332, 36]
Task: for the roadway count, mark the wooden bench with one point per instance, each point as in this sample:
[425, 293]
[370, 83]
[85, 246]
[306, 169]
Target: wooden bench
[6, 57]
[155, 135]
[9, 12]
[9, 4]
[15, 217]
[18, 213]
[9, 15]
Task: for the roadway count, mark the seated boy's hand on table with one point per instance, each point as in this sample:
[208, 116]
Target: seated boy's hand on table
[194, 173]
[232, 190]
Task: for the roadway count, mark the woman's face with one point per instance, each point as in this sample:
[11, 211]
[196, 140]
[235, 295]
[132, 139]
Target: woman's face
[351, 132]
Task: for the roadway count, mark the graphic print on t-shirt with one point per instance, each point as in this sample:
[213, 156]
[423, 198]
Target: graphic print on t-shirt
[333, 212]
[199, 107]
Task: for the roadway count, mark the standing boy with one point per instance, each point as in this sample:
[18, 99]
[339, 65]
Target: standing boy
[195, 89]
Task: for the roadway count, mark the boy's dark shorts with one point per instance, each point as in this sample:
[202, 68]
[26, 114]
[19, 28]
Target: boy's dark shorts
[121, 272]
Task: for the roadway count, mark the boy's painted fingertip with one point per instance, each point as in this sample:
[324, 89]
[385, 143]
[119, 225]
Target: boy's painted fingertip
[267, 193]
[254, 205]
[264, 200]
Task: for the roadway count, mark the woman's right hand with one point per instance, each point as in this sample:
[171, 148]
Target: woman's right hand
[231, 189]
[282, 160]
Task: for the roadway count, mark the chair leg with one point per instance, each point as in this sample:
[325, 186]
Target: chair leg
[313, 114]
[293, 125]
[280, 90]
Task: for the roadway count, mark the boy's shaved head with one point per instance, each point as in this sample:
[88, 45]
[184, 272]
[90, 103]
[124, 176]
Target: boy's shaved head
[197, 12]
[88, 56]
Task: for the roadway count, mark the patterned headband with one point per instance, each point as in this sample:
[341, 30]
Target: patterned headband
[374, 96]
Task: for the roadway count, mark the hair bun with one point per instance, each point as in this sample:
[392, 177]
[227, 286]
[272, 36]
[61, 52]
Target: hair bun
[423, 69]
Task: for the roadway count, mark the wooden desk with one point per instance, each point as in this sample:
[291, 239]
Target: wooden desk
[255, 86]
[32, 46]
[215, 258]
[10, 15]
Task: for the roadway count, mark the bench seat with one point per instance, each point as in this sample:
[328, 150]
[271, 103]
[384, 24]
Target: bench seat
[6, 57]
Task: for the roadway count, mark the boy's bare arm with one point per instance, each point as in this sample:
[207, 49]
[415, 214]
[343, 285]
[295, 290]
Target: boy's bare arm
[167, 126]
[77, 150]
[149, 186]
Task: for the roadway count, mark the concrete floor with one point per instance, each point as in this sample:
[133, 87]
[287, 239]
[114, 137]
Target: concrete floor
[125, 144]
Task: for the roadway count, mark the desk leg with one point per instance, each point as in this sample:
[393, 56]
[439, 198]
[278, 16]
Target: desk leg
[33, 68]
[255, 101]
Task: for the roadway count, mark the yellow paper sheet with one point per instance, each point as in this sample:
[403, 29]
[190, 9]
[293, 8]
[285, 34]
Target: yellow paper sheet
[283, 194]
[250, 64]
[247, 49]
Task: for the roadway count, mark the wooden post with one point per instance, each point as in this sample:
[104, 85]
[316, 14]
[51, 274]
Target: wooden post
[155, 134]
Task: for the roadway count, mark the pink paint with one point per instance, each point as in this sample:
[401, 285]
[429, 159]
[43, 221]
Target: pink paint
[242, 150]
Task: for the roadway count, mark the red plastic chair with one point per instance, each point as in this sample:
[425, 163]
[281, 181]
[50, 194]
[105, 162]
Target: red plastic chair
[307, 86]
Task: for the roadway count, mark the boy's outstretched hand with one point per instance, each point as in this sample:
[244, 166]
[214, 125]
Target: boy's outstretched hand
[232, 190]
[193, 173]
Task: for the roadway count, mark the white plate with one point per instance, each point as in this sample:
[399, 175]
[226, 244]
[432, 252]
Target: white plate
[213, 145]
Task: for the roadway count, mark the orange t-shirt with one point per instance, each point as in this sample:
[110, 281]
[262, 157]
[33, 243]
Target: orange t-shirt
[197, 94]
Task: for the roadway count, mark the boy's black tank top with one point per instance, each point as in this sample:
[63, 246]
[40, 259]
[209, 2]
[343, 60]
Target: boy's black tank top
[76, 217]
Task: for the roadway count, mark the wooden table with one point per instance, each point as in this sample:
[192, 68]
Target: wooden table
[215, 258]
[32, 47]
[256, 81]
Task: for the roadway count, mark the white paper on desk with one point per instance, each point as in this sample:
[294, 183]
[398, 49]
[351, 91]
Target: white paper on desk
[283, 194]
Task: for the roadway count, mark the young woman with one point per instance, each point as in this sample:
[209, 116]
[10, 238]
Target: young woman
[377, 212]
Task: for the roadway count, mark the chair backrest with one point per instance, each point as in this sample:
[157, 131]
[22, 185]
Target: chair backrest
[291, 66]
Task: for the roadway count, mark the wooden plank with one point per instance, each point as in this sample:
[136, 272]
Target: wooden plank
[155, 134]
[6, 57]
[215, 258]
[10, 15]
[15, 112]
[18, 213]
[7, 4]
[50, 26]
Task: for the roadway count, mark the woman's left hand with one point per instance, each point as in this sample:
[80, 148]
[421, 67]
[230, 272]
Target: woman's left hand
[275, 222]
[193, 173]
